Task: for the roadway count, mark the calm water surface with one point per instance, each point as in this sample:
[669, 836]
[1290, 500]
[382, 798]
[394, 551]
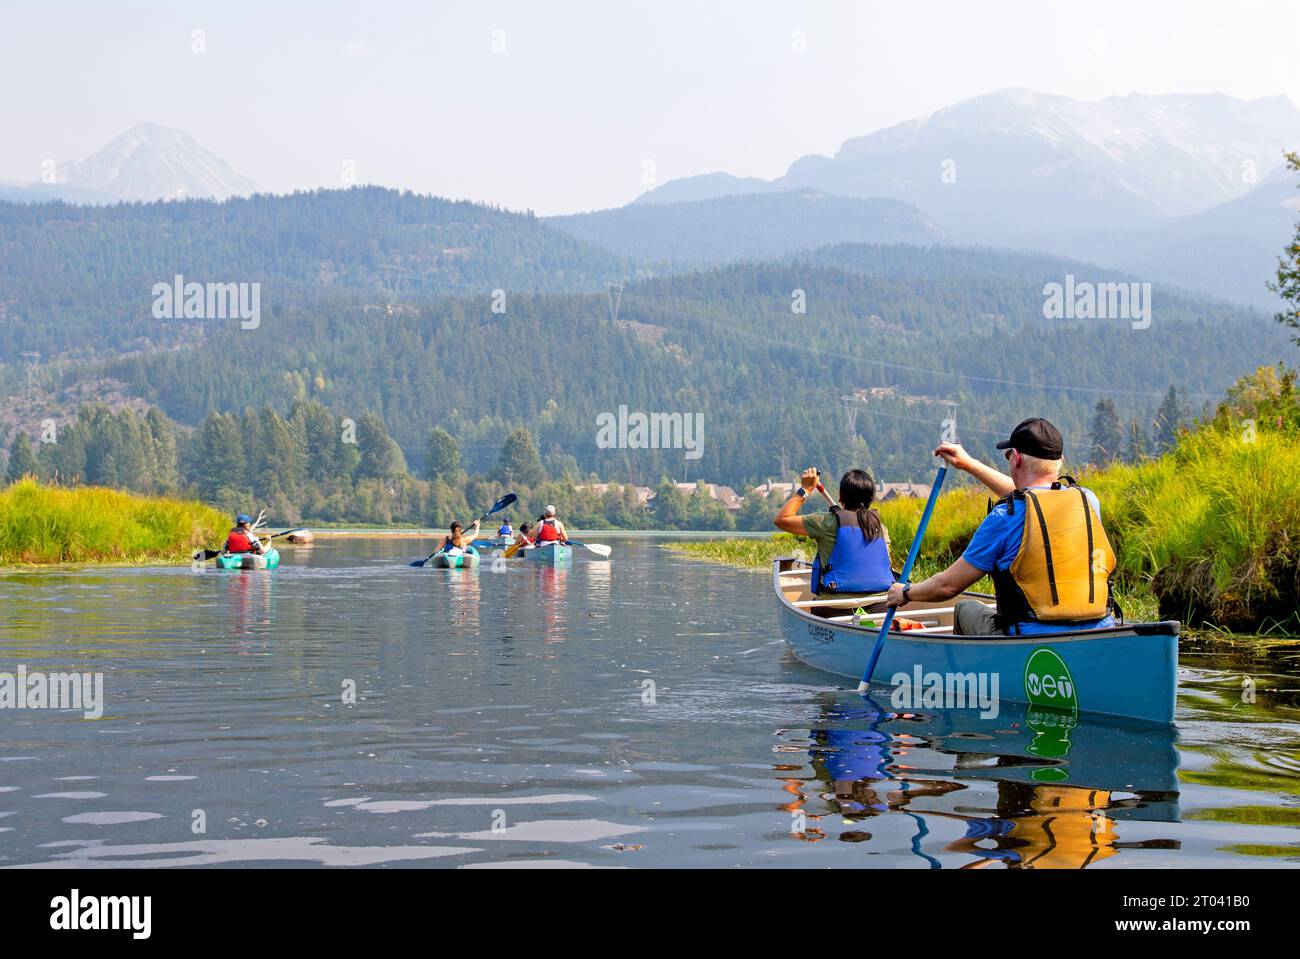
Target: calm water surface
[638, 712]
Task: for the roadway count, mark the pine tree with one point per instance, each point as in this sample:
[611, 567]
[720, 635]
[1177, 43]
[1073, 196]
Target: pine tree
[1288, 273]
[1137, 443]
[381, 458]
[520, 463]
[1169, 419]
[22, 461]
[442, 457]
[1107, 432]
[166, 479]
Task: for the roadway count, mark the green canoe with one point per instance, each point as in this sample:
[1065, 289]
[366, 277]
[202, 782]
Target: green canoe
[552, 554]
[268, 560]
[467, 559]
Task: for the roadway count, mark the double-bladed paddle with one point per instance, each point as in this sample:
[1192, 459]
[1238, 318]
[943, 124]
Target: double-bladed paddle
[904, 578]
[600, 549]
[497, 507]
[207, 554]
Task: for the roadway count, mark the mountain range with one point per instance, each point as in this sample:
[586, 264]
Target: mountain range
[1012, 164]
[1181, 189]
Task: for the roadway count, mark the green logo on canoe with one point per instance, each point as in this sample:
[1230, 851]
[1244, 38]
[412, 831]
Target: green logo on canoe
[1048, 683]
[1053, 710]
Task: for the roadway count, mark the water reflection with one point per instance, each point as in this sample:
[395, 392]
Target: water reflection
[248, 599]
[1060, 788]
[554, 584]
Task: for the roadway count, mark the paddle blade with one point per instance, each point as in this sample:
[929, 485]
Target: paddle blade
[419, 562]
[600, 549]
[511, 550]
[501, 504]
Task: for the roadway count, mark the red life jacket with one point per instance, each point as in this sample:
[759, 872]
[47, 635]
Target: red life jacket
[238, 542]
[547, 533]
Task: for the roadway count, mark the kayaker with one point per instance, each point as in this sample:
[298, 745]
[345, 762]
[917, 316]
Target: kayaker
[241, 538]
[525, 534]
[460, 538]
[550, 529]
[1043, 544]
[506, 531]
[852, 542]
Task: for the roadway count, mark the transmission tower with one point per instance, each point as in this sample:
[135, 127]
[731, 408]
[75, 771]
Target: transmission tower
[614, 291]
[33, 360]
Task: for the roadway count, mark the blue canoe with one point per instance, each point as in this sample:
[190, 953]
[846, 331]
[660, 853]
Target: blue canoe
[462, 559]
[270, 559]
[552, 554]
[1128, 671]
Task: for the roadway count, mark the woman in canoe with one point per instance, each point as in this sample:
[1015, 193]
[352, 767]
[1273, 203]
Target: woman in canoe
[459, 539]
[241, 538]
[550, 529]
[852, 542]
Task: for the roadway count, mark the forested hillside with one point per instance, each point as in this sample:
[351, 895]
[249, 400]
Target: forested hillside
[752, 227]
[962, 327]
[380, 303]
[78, 279]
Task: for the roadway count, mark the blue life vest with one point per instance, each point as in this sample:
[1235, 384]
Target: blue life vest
[856, 566]
[505, 530]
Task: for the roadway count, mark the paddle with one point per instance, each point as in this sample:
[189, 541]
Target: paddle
[599, 549]
[207, 554]
[904, 578]
[516, 547]
[497, 507]
[822, 489]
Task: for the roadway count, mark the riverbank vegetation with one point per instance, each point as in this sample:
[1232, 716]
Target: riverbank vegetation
[1208, 533]
[47, 524]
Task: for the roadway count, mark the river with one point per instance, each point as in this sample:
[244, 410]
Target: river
[347, 709]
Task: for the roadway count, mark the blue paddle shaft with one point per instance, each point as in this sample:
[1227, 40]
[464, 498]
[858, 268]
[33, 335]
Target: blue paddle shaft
[905, 578]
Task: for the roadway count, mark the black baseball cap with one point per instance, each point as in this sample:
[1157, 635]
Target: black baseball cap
[1035, 437]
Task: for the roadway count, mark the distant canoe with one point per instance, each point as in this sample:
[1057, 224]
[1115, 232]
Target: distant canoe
[267, 560]
[464, 559]
[552, 554]
[1129, 671]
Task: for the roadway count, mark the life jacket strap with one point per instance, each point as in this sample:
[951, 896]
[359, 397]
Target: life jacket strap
[1047, 547]
[1087, 521]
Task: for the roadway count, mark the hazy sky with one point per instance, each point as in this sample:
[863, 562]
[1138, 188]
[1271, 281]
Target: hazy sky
[582, 94]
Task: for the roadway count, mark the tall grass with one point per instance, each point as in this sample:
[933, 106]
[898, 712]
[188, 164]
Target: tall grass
[1209, 533]
[50, 524]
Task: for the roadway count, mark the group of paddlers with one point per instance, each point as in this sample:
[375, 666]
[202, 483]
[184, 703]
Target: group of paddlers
[1042, 544]
[549, 529]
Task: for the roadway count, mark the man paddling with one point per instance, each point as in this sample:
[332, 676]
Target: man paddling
[241, 538]
[550, 529]
[1043, 544]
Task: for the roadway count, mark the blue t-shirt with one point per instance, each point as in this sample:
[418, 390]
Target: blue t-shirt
[996, 544]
